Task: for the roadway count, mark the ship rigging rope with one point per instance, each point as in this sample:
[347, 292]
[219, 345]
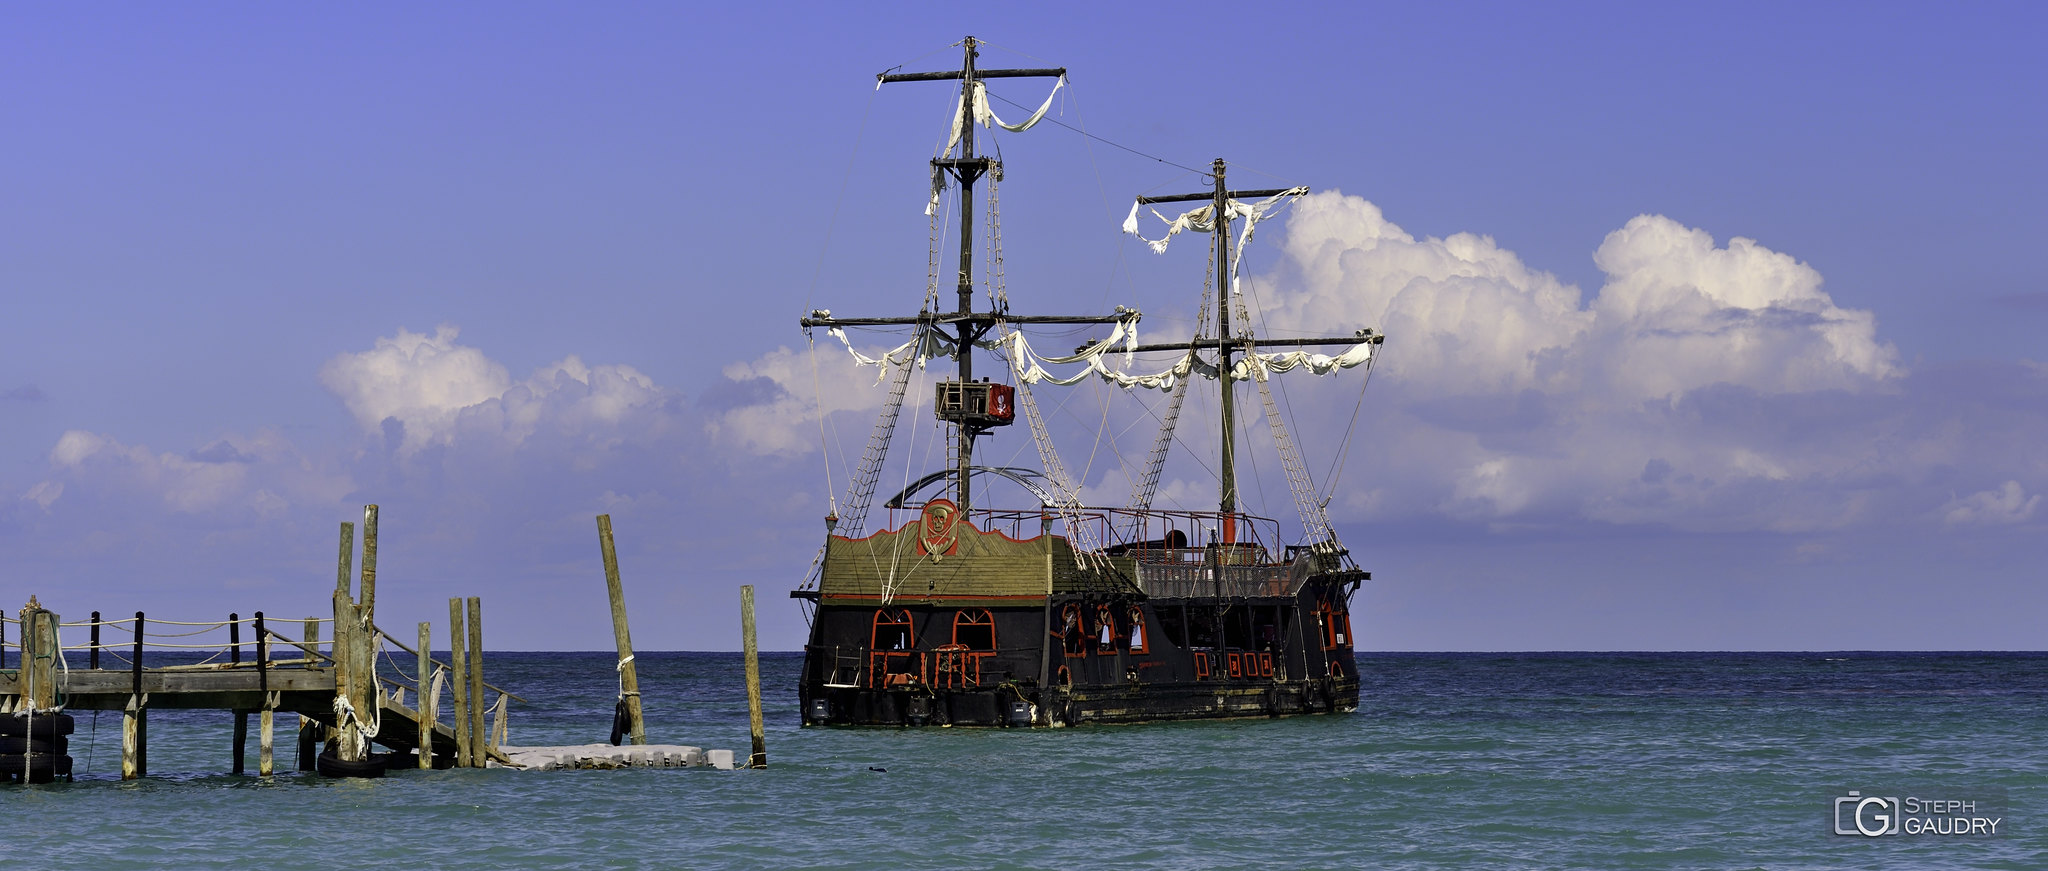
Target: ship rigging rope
[1344, 447]
[817, 270]
[1109, 142]
[825, 444]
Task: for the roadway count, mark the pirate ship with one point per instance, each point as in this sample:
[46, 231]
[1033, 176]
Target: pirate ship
[1052, 612]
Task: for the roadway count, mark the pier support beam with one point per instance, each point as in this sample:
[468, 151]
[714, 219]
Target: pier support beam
[241, 717]
[135, 719]
[310, 734]
[134, 731]
[458, 655]
[355, 646]
[478, 741]
[426, 701]
[39, 655]
[267, 727]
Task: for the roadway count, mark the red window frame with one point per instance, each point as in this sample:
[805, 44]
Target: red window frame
[1074, 642]
[1335, 626]
[879, 672]
[975, 617]
[1137, 637]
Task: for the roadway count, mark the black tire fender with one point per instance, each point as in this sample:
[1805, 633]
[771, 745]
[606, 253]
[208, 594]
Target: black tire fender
[39, 767]
[14, 745]
[41, 727]
[331, 765]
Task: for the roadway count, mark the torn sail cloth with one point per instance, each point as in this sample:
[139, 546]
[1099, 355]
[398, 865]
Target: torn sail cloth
[1026, 362]
[1203, 220]
[1247, 368]
[983, 115]
[929, 343]
[1320, 364]
[924, 346]
[978, 104]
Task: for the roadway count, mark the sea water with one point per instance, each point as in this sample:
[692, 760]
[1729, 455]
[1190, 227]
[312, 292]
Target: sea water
[1452, 761]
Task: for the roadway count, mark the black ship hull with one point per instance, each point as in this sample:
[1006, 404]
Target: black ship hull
[1083, 659]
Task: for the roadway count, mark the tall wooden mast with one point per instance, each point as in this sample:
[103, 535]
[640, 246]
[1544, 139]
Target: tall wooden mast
[1227, 344]
[968, 326]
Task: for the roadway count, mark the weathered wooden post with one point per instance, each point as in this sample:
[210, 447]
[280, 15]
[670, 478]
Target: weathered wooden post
[366, 598]
[310, 730]
[426, 700]
[498, 727]
[39, 653]
[355, 675]
[344, 575]
[268, 719]
[349, 747]
[478, 741]
[760, 757]
[241, 716]
[135, 718]
[458, 647]
[629, 677]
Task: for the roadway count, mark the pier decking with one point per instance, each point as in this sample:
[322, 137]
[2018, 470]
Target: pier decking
[341, 699]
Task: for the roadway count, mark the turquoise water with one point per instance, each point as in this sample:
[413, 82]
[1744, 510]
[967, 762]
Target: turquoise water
[1453, 761]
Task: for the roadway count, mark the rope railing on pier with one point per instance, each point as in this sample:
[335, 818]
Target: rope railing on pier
[437, 663]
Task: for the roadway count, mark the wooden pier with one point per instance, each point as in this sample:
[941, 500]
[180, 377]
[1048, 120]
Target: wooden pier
[345, 704]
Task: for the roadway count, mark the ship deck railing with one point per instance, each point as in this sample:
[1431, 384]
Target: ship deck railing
[1127, 531]
[1190, 579]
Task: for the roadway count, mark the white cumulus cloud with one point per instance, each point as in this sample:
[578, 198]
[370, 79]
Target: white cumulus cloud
[2005, 504]
[795, 388]
[1506, 392]
[438, 391]
[421, 381]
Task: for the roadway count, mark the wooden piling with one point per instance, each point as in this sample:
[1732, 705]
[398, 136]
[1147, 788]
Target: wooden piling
[366, 598]
[426, 702]
[311, 732]
[131, 743]
[39, 656]
[458, 647]
[759, 759]
[241, 717]
[629, 677]
[348, 555]
[478, 741]
[355, 658]
[134, 722]
[268, 719]
[266, 735]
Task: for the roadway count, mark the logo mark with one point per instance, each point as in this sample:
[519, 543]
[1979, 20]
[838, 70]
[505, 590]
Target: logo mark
[1870, 816]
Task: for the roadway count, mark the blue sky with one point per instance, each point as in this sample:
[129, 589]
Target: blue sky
[1715, 327]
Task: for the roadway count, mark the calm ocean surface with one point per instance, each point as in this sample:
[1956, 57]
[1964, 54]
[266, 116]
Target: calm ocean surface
[1453, 761]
